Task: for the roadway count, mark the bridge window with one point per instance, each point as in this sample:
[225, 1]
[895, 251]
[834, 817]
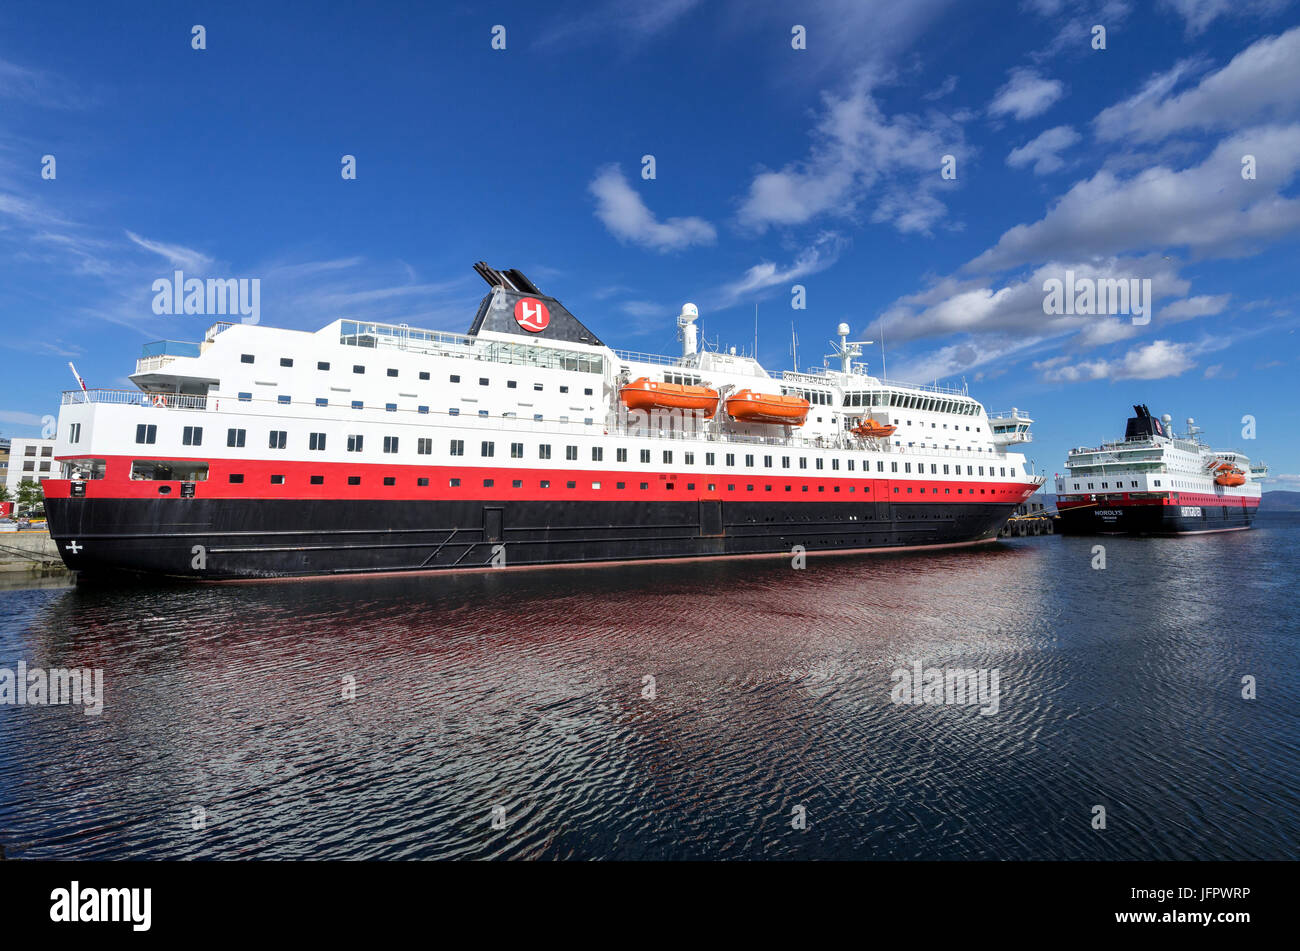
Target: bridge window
[166, 470]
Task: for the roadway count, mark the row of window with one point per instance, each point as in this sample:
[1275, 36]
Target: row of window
[392, 372]
[247, 396]
[1119, 485]
[237, 478]
[908, 401]
[147, 434]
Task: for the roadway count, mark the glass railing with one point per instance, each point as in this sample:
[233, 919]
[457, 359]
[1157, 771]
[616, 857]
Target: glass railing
[436, 342]
[169, 348]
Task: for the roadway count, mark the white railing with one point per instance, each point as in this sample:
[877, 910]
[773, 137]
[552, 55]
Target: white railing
[135, 398]
[444, 344]
[148, 364]
[1015, 414]
[658, 359]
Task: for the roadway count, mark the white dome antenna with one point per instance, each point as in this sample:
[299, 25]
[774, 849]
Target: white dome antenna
[687, 332]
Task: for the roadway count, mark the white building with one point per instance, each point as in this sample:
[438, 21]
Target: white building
[29, 459]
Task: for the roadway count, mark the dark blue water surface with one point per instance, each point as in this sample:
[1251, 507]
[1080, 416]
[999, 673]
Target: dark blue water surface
[522, 691]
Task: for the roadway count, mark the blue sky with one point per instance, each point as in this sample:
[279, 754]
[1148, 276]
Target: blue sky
[775, 166]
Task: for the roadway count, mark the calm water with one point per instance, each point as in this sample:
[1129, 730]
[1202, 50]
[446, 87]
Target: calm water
[523, 690]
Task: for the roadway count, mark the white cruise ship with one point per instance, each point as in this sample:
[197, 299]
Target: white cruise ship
[362, 447]
[1157, 483]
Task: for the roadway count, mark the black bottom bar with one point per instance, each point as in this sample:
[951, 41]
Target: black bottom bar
[214, 539]
[1117, 519]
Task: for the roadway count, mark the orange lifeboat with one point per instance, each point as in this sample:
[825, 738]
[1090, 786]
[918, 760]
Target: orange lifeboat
[750, 407]
[870, 429]
[1230, 475]
[646, 394]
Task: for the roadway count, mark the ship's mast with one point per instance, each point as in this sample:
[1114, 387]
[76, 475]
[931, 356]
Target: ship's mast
[846, 350]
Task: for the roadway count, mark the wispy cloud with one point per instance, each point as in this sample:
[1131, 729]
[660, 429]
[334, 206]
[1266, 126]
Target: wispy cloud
[858, 150]
[176, 255]
[1044, 151]
[1259, 83]
[630, 20]
[1199, 14]
[38, 88]
[1208, 208]
[1026, 95]
[824, 252]
[625, 214]
[1156, 360]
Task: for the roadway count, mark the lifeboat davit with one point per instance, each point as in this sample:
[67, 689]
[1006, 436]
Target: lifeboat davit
[1230, 476]
[646, 394]
[870, 429]
[750, 407]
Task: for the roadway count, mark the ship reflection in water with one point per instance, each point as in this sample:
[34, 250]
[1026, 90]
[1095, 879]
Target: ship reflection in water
[524, 696]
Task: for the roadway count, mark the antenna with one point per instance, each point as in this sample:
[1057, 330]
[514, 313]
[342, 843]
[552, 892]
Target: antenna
[794, 346]
[883, 373]
[845, 350]
[755, 354]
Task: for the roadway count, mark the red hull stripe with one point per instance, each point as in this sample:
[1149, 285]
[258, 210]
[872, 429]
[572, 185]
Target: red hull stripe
[587, 484]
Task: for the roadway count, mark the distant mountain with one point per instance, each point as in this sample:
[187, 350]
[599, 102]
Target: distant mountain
[1280, 500]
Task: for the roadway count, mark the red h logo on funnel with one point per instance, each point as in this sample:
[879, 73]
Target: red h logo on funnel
[532, 315]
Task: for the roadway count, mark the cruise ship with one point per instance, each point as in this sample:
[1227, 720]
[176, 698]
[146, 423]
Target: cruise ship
[1155, 482]
[362, 447]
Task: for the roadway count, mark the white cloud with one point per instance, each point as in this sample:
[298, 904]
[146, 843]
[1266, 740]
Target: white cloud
[1260, 82]
[1203, 305]
[38, 88]
[642, 308]
[1208, 208]
[1157, 360]
[1074, 37]
[631, 20]
[626, 216]
[818, 257]
[1044, 151]
[1015, 308]
[944, 88]
[18, 418]
[1216, 372]
[1026, 94]
[177, 255]
[855, 148]
[1199, 14]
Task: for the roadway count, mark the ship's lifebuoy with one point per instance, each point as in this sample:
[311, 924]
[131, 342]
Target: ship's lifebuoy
[159, 399]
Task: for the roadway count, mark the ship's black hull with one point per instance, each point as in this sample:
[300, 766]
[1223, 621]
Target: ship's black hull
[228, 539]
[1114, 519]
